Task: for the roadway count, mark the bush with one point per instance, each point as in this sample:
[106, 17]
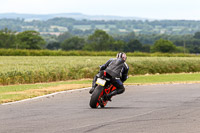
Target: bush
[164, 46]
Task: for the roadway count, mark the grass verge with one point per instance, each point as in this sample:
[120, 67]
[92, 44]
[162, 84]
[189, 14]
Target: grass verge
[18, 92]
[165, 78]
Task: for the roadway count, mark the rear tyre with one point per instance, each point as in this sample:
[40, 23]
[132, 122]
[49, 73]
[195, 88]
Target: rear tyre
[96, 95]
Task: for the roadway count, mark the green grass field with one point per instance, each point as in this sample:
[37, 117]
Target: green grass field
[18, 92]
[38, 69]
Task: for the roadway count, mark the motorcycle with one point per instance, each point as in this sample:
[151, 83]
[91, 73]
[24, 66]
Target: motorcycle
[103, 88]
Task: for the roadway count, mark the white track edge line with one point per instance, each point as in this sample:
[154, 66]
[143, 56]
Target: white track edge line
[52, 94]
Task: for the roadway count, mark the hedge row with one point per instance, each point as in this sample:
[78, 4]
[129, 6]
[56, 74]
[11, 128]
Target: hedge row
[23, 52]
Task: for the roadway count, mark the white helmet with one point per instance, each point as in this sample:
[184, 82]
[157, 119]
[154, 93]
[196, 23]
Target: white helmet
[122, 55]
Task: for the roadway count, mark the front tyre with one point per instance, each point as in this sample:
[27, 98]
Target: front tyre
[96, 95]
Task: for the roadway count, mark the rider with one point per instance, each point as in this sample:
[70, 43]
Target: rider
[98, 75]
[118, 70]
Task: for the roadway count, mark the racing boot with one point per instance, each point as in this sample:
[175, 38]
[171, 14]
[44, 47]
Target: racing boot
[113, 93]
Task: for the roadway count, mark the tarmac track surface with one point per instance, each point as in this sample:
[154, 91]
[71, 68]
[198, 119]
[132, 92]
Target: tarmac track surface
[170, 108]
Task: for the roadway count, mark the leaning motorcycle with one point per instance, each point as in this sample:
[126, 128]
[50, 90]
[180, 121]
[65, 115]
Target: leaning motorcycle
[103, 88]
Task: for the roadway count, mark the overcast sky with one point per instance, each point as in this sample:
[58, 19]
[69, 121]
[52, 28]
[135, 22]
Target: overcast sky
[155, 9]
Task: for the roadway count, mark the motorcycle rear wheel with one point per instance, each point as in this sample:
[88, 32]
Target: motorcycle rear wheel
[96, 95]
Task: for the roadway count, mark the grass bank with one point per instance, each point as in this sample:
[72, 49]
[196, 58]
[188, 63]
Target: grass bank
[18, 92]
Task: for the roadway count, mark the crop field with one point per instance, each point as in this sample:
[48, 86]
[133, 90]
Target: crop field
[36, 69]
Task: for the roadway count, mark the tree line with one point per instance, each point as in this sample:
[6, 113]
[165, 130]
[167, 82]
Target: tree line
[98, 41]
[131, 42]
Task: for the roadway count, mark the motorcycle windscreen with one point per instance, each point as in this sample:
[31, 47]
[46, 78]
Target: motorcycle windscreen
[101, 82]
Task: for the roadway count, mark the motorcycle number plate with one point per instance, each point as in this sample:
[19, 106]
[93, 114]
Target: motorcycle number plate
[101, 82]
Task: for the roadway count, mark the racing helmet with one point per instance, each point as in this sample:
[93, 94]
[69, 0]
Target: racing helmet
[122, 55]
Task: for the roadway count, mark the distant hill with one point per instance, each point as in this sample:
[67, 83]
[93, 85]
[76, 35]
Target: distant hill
[80, 24]
[77, 16]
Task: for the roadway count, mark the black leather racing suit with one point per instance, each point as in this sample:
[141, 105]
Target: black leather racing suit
[118, 70]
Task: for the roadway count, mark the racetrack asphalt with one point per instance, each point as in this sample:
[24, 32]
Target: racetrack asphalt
[168, 108]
